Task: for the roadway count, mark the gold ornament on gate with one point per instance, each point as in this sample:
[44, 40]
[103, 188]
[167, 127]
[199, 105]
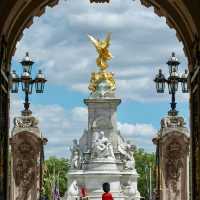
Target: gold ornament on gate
[104, 55]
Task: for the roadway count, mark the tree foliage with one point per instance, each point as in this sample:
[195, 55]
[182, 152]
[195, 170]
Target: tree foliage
[55, 169]
[143, 162]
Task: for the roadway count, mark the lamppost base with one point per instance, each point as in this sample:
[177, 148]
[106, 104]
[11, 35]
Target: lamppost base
[26, 112]
[173, 113]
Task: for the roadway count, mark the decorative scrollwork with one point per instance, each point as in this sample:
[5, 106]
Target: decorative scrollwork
[25, 122]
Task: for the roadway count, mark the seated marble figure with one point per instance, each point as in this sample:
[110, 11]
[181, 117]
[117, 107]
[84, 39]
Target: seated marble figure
[102, 148]
[127, 150]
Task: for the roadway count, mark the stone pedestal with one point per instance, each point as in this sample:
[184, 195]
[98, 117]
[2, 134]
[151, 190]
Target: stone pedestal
[173, 140]
[102, 155]
[26, 156]
[102, 117]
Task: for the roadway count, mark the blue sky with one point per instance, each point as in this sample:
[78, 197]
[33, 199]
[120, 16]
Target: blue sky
[58, 43]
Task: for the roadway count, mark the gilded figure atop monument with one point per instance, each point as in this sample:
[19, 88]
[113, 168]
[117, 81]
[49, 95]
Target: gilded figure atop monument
[102, 50]
[102, 83]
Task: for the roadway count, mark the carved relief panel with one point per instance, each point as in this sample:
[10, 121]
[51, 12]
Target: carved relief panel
[174, 166]
[26, 150]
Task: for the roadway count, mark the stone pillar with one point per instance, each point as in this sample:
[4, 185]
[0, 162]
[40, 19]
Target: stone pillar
[173, 151]
[26, 159]
[102, 117]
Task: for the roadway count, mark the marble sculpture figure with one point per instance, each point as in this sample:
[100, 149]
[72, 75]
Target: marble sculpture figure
[102, 147]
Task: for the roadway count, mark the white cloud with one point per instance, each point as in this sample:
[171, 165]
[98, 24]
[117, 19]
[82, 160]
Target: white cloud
[140, 134]
[81, 87]
[137, 130]
[79, 114]
[141, 42]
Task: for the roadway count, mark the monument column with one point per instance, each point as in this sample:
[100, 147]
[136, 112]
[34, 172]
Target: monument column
[102, 117]
[102, 154]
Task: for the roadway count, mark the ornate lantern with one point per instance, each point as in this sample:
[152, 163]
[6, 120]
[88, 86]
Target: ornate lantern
[27, 83]
[173, 81]
[173, 63]
[184, 82]
[40, 82]
[27, 63]
[160, 82]
[15, 82]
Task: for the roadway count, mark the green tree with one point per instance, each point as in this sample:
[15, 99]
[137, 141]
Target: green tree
[55, 169]
[143, 161]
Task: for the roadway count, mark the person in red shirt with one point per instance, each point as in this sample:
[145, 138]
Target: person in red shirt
[107, 195]
[83, 193]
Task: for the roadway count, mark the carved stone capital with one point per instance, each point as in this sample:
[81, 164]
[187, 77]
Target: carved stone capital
[172, 121]
[25, 122]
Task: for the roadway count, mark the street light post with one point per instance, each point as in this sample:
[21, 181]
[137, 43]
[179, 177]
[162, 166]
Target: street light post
[172, 81]
[148, 173]
[27, 82]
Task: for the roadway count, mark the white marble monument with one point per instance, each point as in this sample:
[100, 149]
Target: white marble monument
[102, 154]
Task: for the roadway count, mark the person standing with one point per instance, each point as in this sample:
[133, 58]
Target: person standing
[107, 195]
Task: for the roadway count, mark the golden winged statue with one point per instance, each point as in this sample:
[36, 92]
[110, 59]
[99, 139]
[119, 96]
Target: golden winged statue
[102, 50]
[98, 79]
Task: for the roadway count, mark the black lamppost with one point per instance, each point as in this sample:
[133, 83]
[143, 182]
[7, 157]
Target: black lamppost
[27, 82]
[173, 80]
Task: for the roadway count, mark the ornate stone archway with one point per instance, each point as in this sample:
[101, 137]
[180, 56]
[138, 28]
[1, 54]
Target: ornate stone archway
[182, 15]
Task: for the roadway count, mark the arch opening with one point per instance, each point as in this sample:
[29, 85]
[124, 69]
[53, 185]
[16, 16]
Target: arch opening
[186, 38]
[132, 68]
